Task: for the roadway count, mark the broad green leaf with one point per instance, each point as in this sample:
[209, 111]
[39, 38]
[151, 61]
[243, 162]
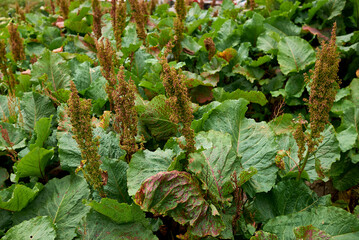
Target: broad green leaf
[42, 130]
[215, 65]
[178, 195]
[282, 25]
[268, 42]
[252, 96]
[348, 132]
[56, 69]
[69, 152]
[116, 186]
[16, 136]
[333, 8]
[34, 107]
[327, 153]
[202, 114]
[85, 75]
[252, 141]
[17, 196]
[215, 163]
[61, 199]
[252, 28]
[347, 179]
[120, 213]
[295, 86]
[38, 228]
[34, 163]
[316, 6]
[282, 124]
[288, 196]
[332, 220]
[189, 43]
[261, 235]
[109, 144]
[347, 138]
[294, 54]
[156, 117]
[99, 227]
[310, 232]
[145, 164]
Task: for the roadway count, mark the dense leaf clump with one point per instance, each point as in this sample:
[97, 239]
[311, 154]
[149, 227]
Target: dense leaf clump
[151, 120]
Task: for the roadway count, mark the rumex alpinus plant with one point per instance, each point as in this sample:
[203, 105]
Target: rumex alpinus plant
[178, 99]
[79, 112]
[97, 14]
[126, 114]
[118, 14]
[323, 83]
[106, 55]
[3, 59]
[140, 19]
[179, 27]
[16, 43]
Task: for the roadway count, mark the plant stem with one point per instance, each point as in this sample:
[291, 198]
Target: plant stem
[304, 163]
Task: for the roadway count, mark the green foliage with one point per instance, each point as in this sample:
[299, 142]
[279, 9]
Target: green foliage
[242, 74]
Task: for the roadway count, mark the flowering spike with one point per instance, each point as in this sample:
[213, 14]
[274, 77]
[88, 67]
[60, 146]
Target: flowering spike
[323, 84]
[106, 55]
[16, 43]
[178, 100]
[64, 8]
[126, 114]
[118, 14]
[97, 14]
[79, 112]
[140, 18]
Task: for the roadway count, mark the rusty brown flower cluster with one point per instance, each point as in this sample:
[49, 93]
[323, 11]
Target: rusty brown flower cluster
[179, 27]
[178, 100]
[211, 47]
[126, 115]
[79, 112]
[118, 14]
[106, 55]
[323, 83]
[16, 43]
[97, 14]
[153, 4]
[141, 16]
[64, 8]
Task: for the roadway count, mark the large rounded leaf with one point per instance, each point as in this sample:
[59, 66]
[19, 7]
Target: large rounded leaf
[61, 199]
[332, 220]
[215, 164]
[38, 228]
[34, 107]
[178, 195]
[294, 54]
[145, 164]
[252, 141]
